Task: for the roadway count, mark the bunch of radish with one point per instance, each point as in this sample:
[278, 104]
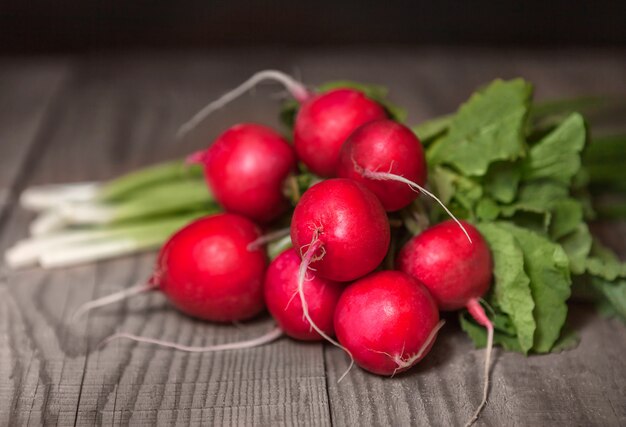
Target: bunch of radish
[331, 284]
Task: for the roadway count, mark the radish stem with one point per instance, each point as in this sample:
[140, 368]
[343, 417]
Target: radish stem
[46, 196]
[163, 173]
[160, 200]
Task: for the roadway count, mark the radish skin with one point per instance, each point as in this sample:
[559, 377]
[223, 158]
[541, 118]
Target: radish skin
[350, 224]
[283, 302]
[384, 146]
[388, 320]
[246, 168]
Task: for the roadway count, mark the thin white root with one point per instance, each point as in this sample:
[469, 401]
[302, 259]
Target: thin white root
[266, 338]
[486, 377]
[307, 258]
[478, 313]
[386, 176]
[295, 88]
[404, 363]
[114, 297]
[49, 196]
[268, 238]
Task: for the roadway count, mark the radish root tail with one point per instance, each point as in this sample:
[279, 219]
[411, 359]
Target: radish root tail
[268, 238]
[408, 361]
[307, 258]
[266, 338]
[387, 176]
[479, 315]
[117, 296]
[295, 88]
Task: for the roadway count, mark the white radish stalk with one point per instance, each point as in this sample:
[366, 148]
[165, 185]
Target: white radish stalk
[266, 338]
[48, 196]
[78, 213]
[75, 247]
[268, 238]
[47, 222]
[67, 257]
[114, 297]
[27, 251]
[387, 176]
[295, 88]
[308, 257]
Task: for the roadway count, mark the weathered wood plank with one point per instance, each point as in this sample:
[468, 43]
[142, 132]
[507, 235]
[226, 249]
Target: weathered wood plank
[116, 115]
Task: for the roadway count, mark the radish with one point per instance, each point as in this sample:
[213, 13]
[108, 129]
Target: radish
[207, 270]
[342, 227]
[388, 321]
[325, 121]
[384, 146]
[246, 167]
[281, 291]
[457, 273]
[388, 159]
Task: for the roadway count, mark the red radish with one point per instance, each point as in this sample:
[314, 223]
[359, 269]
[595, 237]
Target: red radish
[388, 159]
[457, 273]
[208, 271]
[246, 167]
[388, 321]
[344, 228]
[325, 121]
[384, 146]
[281, 292]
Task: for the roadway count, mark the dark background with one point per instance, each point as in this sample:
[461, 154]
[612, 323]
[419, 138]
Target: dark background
[75, 26]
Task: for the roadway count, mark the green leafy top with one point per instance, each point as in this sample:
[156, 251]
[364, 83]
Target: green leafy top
[487, 128]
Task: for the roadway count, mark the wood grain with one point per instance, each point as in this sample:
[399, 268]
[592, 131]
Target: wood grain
[96, 117]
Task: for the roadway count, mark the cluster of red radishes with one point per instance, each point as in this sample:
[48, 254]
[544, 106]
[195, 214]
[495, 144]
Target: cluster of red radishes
[330, 283]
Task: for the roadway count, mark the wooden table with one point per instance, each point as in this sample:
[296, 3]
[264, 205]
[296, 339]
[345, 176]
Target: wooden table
[74, 119]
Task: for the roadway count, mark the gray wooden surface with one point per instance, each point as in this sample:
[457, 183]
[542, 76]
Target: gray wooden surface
[95, 117]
